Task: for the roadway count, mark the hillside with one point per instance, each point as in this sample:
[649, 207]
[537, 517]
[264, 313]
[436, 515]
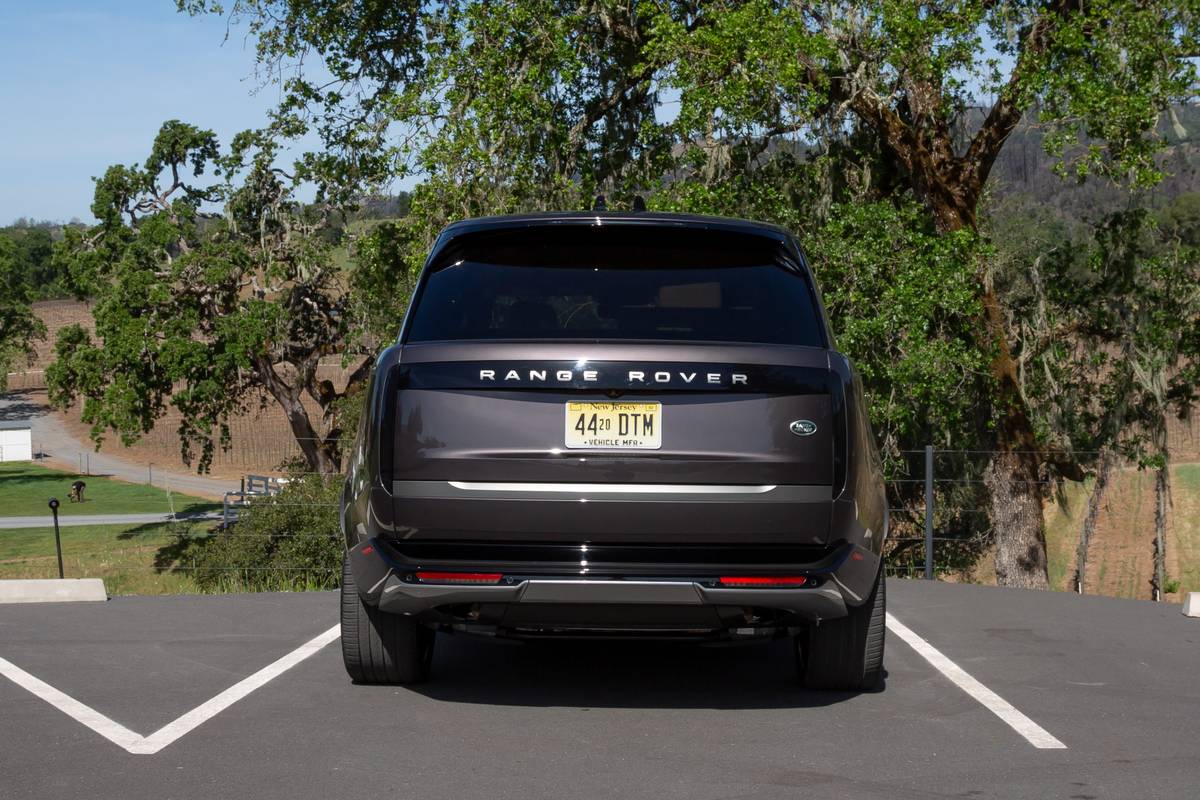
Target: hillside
[261, 436]
[1121, 558]
[1024, 173]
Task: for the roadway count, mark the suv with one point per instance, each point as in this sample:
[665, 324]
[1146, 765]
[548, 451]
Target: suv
[611, 424]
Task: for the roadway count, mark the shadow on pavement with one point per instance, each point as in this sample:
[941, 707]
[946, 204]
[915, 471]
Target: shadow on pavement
[619, 674]
[18, 406]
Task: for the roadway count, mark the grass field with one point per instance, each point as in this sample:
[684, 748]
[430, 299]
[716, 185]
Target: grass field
[1186, 511]
[1062, 533]
[132, 559]
[25, 490]
[1121, 557]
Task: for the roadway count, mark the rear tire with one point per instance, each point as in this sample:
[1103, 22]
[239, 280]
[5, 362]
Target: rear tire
[378, 647]
[846, 654]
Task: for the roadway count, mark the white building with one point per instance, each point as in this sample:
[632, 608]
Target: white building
[16, 440]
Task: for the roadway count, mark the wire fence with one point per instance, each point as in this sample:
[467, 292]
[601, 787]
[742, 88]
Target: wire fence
[26, 380]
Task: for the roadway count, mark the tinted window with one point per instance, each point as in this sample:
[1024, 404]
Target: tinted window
[655, 288]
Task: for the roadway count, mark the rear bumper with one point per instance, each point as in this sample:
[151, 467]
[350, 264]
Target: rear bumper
[821, 602]
[576, 601]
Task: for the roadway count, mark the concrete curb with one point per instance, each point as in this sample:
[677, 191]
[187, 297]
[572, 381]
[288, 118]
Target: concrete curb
[67, 590]
[1191, 604]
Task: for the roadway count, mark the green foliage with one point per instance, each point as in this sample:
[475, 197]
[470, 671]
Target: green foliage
[541, 103]
[903, 303]
[289, 541]
[1098, 73]
[18, 326]
[1179, 220]
[211, 313]
[904, 306]
[33, 257]
[387, 261]
[902, 298]
[1106, 329]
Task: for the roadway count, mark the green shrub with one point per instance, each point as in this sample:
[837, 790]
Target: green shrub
[286, 542]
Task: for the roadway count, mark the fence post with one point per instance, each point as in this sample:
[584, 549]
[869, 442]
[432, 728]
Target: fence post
[928, 512]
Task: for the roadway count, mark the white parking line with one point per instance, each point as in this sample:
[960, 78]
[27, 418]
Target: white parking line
[86, 715]
[123, 737]
[1035, 734]
[133, 742]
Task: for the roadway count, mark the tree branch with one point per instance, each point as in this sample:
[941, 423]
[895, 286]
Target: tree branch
[1006, 114]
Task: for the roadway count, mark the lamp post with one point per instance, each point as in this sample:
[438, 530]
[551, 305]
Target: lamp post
[57, 539]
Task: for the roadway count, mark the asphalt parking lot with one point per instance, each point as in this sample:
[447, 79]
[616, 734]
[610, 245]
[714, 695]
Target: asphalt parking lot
[1117, 683]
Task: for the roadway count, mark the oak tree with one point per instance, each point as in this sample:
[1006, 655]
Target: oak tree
[539, 103]
[18, 325]
[213, 292]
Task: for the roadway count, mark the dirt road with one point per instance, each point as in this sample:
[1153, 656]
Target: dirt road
[63, 450]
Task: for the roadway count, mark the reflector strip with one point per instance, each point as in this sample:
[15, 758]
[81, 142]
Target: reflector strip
[765, 580]
[459, 577]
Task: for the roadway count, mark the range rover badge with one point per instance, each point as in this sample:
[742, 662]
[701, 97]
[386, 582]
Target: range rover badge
[803, 427]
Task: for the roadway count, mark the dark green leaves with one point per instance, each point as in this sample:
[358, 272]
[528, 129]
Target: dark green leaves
[208, 312]
[18, 326]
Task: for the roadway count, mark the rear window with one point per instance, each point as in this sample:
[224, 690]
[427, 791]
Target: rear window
[643, 284]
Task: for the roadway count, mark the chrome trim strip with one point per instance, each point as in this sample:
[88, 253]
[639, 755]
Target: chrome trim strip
[610, 492]
[612, 488]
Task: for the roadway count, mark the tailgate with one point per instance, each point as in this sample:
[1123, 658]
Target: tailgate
[738, 448]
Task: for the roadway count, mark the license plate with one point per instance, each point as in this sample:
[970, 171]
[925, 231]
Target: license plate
[620, 426]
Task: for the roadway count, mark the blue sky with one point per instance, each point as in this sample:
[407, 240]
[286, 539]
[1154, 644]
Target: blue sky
[87, 84]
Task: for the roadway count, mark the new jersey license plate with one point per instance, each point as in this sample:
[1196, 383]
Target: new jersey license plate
[621, 426]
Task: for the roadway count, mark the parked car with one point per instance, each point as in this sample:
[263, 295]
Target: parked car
[615, 424]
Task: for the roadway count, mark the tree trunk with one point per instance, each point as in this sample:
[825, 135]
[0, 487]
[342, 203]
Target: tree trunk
[317, 453]
[1089, 521]
[950, 188]
[1017, 521]
[1013, 475]
[1160, 533]
[952, 198]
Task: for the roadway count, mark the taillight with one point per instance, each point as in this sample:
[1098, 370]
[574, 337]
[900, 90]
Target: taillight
[765, 581]
[459, 577]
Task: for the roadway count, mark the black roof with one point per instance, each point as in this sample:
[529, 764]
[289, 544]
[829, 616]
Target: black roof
[459, 233]
[601, 218]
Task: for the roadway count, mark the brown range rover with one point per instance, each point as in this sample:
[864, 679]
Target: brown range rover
[615, 425]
